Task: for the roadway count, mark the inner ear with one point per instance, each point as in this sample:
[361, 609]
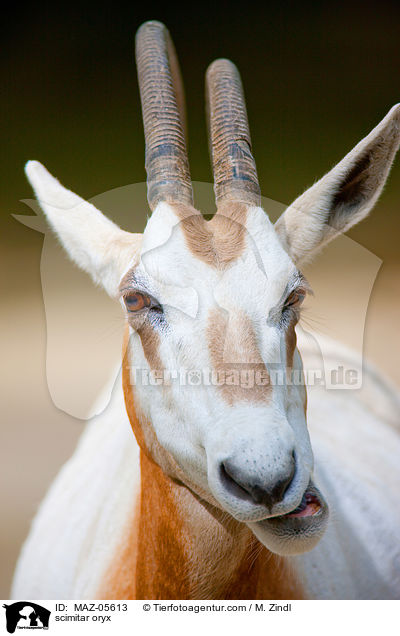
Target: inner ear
[352, 191]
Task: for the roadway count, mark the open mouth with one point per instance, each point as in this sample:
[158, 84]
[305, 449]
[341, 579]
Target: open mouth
[296, 531]
[309, 506]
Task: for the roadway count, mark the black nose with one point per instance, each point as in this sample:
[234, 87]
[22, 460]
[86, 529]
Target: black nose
[251, 487]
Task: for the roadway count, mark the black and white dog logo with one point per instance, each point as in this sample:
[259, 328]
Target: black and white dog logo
[26, 615]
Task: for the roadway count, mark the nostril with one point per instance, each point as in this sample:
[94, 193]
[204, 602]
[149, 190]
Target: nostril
[250, 488]
[279, 489]
[228, 474]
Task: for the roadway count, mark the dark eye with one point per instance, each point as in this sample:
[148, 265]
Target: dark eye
[136, 301]
[295, 299]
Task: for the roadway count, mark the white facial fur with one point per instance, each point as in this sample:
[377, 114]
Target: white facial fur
[195, 423]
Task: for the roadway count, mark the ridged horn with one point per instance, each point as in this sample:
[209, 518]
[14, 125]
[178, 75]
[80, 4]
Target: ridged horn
[235, 174]
[163, 108]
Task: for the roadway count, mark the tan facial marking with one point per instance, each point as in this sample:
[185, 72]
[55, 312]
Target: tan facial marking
[290, 342]
[151, 344]
[236, 358]
[217, 242]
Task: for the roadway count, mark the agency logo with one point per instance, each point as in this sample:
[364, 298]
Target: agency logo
[26, 615]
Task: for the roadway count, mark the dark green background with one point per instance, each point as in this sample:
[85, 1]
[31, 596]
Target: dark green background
[317, 77]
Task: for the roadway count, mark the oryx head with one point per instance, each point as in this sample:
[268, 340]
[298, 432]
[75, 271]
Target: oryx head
[212, 306]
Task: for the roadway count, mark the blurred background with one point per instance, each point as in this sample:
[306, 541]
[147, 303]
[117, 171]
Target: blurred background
[317, 77]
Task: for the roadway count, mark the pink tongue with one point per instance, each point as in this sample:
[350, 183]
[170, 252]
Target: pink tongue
[311, 508]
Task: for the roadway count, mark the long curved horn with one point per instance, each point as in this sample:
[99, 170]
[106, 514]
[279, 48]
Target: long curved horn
[235, 174]
[163, 106]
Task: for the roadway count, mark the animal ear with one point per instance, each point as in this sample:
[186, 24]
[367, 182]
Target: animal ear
[344, 196]
[93, 242]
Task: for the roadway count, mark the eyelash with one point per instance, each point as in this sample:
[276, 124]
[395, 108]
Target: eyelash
[292, 308]
[299, 296]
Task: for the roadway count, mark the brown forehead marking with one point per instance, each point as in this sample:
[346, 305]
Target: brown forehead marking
[236, 358]
[217, 242]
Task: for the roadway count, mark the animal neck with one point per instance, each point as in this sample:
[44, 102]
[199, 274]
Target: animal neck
[181, 547]
[188, 549]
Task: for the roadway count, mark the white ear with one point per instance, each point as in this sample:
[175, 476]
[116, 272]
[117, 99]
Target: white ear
[344, 196]
[93, 242]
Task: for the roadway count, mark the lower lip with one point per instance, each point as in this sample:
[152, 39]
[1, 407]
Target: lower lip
[309, 507]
